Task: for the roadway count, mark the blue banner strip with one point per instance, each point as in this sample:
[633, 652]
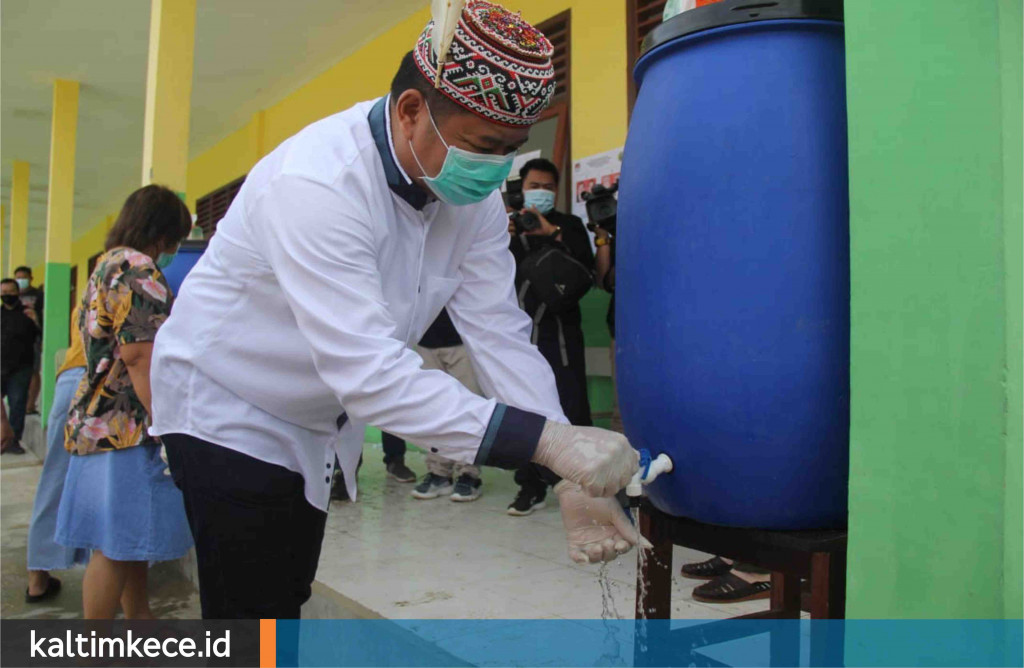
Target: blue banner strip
[493, 642]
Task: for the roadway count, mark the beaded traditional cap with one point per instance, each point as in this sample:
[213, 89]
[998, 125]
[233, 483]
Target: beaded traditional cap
[499, 66]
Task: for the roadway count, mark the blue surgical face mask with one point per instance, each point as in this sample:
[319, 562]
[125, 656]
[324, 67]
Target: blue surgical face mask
[540, 199]
[465, 177]
[165, 259]
[22, 283]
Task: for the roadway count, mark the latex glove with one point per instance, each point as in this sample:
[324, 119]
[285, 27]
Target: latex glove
[600, 461]
[597, 529]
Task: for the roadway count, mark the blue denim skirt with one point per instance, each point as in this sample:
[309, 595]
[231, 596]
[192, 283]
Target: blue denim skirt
[123, 504]
[44, 553]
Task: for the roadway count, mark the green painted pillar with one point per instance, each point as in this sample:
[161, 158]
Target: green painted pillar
[934, 95]
[56, 325]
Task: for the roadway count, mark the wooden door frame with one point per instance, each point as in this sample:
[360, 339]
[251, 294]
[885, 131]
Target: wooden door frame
[631, 54]
[74, 289]
[91, 262]
[561, 107]
[563, 139]
[558, 18]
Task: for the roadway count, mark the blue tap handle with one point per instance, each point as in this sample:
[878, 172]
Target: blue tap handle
[645, 463]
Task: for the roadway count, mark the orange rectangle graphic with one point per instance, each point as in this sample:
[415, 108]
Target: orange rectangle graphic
[268, 643]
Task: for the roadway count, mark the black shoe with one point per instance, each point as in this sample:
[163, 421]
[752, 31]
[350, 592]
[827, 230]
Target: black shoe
[52, 589]
[527, 501]
[14, 449]
[710, 569]
[399, 471]
[731, 588]
[338, 490]
[467, 488]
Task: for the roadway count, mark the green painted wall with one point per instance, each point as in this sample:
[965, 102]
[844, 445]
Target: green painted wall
[594, 308]
[935, 182]
[1010, 47]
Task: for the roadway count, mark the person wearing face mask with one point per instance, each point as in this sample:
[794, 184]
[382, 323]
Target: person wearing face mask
[32, 297]
[296, 328]
[558, 334]
[20, 332]
[116, 501]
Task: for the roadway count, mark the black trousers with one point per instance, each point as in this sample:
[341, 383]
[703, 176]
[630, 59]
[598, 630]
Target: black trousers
[570, 368]
[394, 447]
[14, 387]
[257, 538]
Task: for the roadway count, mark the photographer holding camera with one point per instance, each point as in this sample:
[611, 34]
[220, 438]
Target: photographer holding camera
[554, 270]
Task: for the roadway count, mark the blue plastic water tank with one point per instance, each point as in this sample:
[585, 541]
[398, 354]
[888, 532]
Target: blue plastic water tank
[733, 265]
[187, 256]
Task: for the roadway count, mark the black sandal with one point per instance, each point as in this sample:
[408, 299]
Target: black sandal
[52, 589]
[731, 588]
[706, 570]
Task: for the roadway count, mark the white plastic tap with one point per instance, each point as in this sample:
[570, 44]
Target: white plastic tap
[660, 464]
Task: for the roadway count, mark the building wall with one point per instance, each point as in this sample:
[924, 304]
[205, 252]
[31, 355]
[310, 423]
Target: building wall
[598, 48]
[934, 97]
[598, 61]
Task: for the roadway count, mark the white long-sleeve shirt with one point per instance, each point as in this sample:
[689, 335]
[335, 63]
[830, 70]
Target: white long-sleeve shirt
[294, 330]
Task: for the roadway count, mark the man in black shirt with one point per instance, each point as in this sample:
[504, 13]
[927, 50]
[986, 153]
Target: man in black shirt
[32, 297]
[20, 330]
[559, 336]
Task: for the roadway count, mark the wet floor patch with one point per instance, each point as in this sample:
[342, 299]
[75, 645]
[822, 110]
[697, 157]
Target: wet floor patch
[171, 595]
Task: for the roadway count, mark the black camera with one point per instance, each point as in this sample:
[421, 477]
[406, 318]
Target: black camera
[524, 221]
[602, 207]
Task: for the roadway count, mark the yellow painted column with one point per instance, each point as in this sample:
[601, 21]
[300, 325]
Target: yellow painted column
[168, 93]
[18, 240]
[60, 204]
[257, 131]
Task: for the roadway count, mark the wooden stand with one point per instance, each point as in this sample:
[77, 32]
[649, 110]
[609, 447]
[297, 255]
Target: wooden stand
[818, 556]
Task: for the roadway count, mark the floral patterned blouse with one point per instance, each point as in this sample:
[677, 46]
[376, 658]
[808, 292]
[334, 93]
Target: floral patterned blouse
[126, 301]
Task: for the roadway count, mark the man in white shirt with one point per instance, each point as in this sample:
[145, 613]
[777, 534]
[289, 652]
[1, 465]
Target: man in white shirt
[294, 331]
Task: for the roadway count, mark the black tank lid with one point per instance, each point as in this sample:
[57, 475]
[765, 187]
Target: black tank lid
[734, 12]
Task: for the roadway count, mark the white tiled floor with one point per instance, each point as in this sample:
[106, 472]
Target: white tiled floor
[408, 559]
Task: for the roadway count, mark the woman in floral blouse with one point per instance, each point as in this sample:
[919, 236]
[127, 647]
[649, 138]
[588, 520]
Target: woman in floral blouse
[117, 500]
